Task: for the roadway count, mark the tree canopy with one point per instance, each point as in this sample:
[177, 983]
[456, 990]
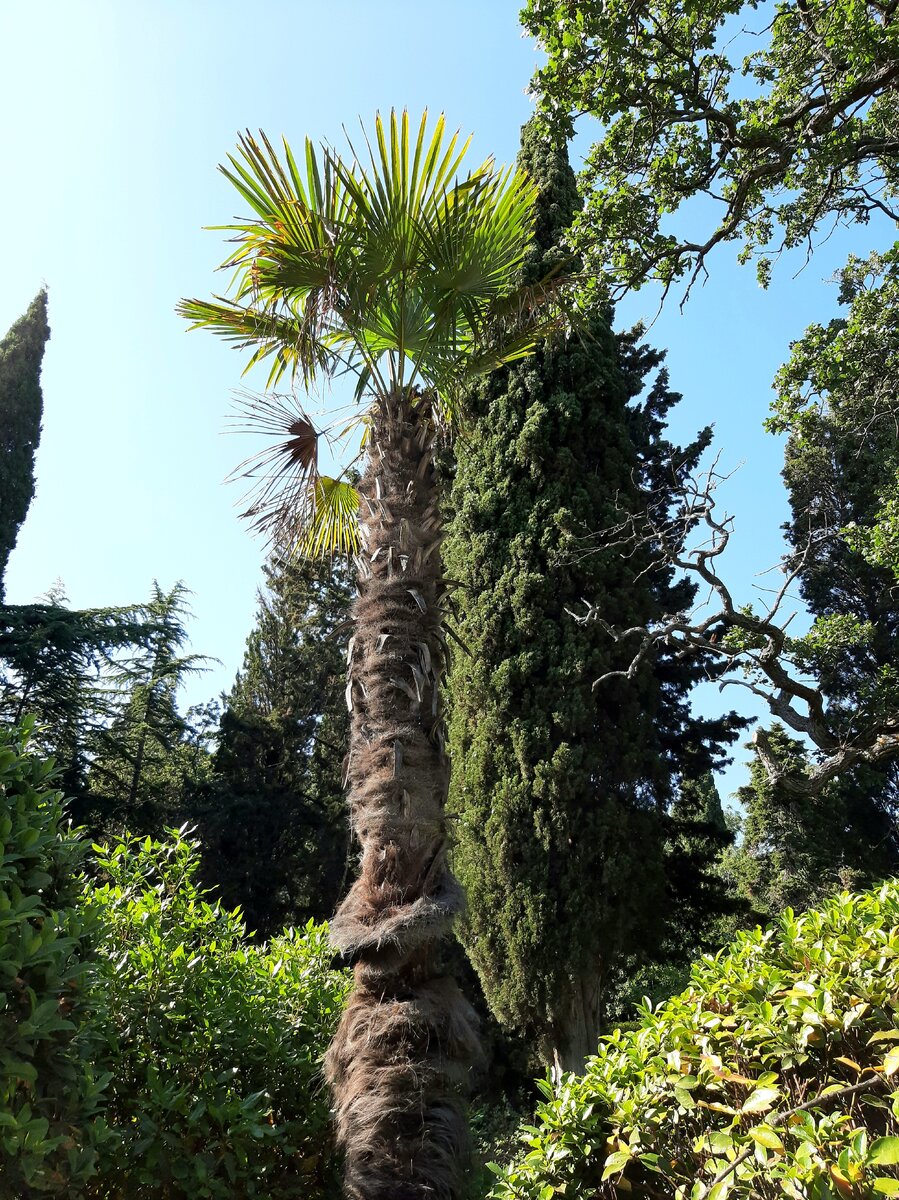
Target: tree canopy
[784, 119]
[396, 271]
[272, 817]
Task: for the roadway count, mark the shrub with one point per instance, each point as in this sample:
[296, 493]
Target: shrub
[774, 1074]
[214, 1043]
[49, 1091]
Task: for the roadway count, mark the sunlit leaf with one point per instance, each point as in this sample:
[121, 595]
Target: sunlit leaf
[884, 1152]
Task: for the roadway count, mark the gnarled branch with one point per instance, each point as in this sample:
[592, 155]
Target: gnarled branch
[754, 647]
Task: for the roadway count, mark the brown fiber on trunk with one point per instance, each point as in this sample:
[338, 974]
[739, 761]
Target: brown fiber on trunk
[399, 1064]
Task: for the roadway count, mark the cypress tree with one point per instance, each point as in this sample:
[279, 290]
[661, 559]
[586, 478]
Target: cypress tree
[273, 820]
[560, 789]
[21, 407]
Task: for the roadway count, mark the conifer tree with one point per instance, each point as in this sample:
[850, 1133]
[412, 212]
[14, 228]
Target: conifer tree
[273, 820]
[704, 904]
[21, 407]
[797, 850]
[836, 399]
[134, 774]
[703, 907]
[560, 789]
[61, 665]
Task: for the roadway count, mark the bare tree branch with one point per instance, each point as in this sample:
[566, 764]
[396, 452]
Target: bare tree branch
[754, 647]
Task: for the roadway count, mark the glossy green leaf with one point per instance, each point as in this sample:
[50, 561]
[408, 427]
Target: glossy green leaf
[884, 1152]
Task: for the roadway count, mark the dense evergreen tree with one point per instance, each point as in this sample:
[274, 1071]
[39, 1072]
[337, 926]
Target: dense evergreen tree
[560, 789]
[704, 903]
[836, 399]
[703, 908]
[21, 406]
[796, 850]
[137, 767]
[273, 820]
[62, 665]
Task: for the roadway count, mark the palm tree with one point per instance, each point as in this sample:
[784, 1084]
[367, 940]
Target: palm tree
[406, 275]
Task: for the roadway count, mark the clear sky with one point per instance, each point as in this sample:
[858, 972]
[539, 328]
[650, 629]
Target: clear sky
[115, 116]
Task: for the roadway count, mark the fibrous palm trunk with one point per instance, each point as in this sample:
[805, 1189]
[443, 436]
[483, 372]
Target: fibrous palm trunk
[399, 1064]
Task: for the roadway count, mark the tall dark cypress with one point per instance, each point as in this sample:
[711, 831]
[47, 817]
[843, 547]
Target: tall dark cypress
[21, 407]
[560, 789]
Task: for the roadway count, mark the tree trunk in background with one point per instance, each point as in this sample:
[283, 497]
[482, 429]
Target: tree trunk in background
[400, 1061]
[576, 1032]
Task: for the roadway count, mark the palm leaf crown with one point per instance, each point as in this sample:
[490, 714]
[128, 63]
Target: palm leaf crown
[388, 265]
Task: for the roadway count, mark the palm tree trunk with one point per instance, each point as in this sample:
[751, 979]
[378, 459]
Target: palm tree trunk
[400, 1061]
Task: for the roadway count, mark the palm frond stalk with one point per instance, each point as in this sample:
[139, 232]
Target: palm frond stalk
[409, 276]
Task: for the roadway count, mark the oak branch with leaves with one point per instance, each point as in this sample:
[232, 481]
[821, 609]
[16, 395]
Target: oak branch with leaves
[784, 118]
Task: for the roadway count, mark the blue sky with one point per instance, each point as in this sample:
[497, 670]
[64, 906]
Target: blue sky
[115, 118]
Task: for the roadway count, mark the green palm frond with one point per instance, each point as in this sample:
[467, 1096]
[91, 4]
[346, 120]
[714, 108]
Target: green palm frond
[387, 262]
[330, 523]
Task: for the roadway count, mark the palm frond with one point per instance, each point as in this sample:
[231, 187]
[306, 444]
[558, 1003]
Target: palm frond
[281, 473]
[330, 522]
[387, 262]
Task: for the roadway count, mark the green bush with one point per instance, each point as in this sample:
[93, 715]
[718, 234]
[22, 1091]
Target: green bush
[774, 1074]
[50, 1093]
[214, 1044]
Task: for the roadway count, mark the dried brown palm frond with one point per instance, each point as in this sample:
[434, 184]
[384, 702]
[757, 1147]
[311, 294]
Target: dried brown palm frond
[289, 501]
[281, 472]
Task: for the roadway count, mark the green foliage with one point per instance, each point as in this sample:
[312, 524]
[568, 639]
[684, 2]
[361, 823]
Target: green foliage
[705, 908]
[71, 667]
[496, 1133]
[785, 126]
[836, 398]
[846, 369]
[704, 901]
[272, 817]
[558, 785]
[137, 768]
[878, 543]
[50, 1091]
[21, 406]
[773, 1074]
[830, 636]
[797, 849]
[386, 264]
[214, 1044]
[420, 253]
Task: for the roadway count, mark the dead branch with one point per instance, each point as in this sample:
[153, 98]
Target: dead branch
[754, 648]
